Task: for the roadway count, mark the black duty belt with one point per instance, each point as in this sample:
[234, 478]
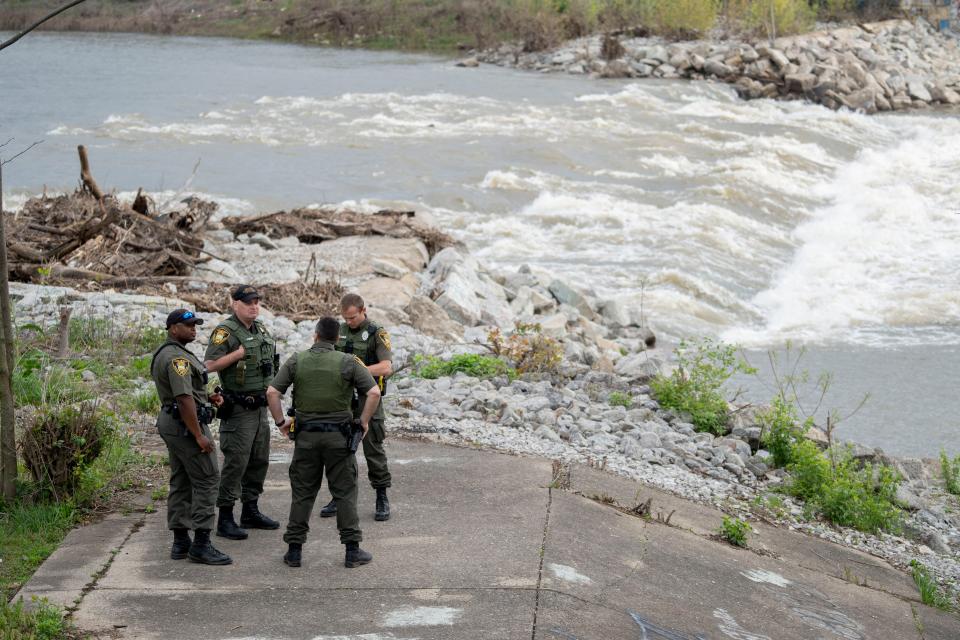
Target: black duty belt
[317, 426]
[246, 400]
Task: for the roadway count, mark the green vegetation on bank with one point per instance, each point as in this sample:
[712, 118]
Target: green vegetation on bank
[951, 473]
[734, 531]
[832, 484]
[440, 25]
[41, 621]
[74, 446]
[930, 594]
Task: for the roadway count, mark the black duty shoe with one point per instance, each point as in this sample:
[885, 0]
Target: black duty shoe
[227, 526]
[292, 557]
[383, 505]
[330, 510]
[205, 553]
[181, 544]
[356, 556]
[251, 518]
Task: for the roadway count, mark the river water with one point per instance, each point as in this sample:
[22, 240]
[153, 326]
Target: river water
[756, 222]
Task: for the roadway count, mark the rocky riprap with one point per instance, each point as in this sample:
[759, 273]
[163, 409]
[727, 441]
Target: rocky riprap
[883, 66]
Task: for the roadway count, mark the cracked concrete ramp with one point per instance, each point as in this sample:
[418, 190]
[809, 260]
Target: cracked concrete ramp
[480, 547]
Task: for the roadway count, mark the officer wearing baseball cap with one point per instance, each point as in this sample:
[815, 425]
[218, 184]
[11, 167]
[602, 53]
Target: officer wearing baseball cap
[244, 356]
[183, 423]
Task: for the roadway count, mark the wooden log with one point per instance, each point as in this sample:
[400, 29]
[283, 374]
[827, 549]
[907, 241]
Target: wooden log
[106, 279]
[85, 176]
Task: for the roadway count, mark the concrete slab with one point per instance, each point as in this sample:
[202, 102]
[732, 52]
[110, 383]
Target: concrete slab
[615, 571]
[85, 551]
[792, 546]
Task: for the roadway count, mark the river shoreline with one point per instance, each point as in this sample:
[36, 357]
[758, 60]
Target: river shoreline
[445, 304]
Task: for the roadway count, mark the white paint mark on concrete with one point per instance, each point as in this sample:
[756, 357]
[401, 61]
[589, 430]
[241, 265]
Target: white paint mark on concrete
[761, 575]
[568, 574]
[413, 460]
[731, 628]
[422, 617]
[281, 457]
[363, 636]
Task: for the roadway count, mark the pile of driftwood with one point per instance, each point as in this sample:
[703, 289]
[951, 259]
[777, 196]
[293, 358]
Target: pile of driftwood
[313, 226]
[93, 238]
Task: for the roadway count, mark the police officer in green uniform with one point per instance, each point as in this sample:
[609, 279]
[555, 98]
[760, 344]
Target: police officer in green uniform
[182, 423]
[324, 382]
[371, 343]
[244, 355]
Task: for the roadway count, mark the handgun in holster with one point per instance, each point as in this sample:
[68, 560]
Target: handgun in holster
[292, 413]
[356, 435]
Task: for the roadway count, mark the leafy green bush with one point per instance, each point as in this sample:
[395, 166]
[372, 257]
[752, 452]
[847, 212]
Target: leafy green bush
[951, 473]
[43, 621]
[781, 431]
[862, 498]
[734, 531]
[695, 385]
[472, 364]
[620, 399]
[39, 381]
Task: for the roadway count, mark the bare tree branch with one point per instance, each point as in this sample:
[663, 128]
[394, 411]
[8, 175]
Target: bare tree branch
[12, 40]
[6, 143]
[9, 160]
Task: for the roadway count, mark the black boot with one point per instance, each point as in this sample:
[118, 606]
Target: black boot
[292, 557]
[383, 505]
[181, 544]
[251, 518]
[356, 556]
[330, 510]
[227, 526]
[205, 553]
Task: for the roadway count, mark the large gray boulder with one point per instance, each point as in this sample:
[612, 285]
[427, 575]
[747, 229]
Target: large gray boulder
[458, 284]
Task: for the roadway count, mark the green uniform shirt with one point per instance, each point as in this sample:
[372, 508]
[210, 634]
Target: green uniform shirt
[259, 348]
[176, 372]
[360, 338]
[353, 371]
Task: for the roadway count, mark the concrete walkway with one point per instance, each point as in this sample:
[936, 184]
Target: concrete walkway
[479, 546]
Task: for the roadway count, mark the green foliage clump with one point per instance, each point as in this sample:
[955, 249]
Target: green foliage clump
[527, 349]
[686, 18]
[774, 18]
[951, 473]
[930, 595]
[39, 381]
[696, 385]
[781, 431]
[472, 364]
[42, 621]
[734, 531]
[620, 399]
[862, 498]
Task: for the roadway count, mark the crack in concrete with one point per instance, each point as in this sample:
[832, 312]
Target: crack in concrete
[543, 552]
[102, 571]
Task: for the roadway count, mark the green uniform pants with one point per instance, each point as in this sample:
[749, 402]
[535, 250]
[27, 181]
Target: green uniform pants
[193, 483]
[315, 452]
[376, 455]
[245, 443]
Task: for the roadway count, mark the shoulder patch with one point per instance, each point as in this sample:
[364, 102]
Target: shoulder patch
[219, 336]
[360, 362]
[384, 337]
[181, 366]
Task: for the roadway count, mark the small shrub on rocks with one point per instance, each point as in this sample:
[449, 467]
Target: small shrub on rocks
[930, 595]
[951, 473]
[696, 385]
[781, 431]
[684, 17]
[862, 498]
[527, 349]
[620, 399]
[472, 364]
[734, 531]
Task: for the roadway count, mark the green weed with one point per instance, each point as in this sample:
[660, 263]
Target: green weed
[781, 431]
[473, 365]
[42, 621]
[29, 533]
[620, 399]
[930, 595]
[951, 473]
[734, 531]
[696, 385]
